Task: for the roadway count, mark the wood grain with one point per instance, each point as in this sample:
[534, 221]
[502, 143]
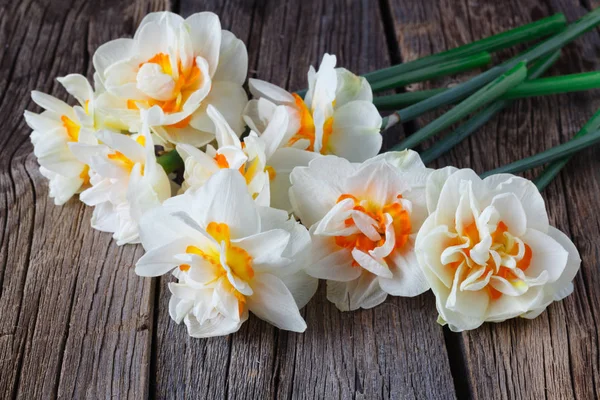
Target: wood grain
[75, 318]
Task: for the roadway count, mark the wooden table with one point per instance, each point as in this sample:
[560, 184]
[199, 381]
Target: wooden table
[76, 322]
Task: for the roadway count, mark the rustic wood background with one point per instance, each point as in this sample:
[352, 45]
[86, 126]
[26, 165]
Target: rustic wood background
[76, 322]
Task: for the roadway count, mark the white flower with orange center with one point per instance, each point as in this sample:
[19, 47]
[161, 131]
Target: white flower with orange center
[230, 256]
[261, 160]
[57, 126]
[337, 115]
[178, 66]
[488, 250]
[125, 181]
[363, 220]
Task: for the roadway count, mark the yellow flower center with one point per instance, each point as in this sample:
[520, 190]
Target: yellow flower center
[504, 244]
[72, 128]
[123, 160]
[401, 223]
[238, 260]
[85, 175]
[187, 82]
[307, 128]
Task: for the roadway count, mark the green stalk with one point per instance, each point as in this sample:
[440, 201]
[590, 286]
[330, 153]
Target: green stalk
[528, 32]
[400, 100]
[553, 154]
[554, 168]
[465, 130]
[534, 88]
[433, 71]
[484, 96]
[556, 84]
[170, 161]
[571, 32]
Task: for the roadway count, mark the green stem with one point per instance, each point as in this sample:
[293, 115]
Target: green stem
[482, 97]
[538, 87]
[524, 33]
[571, 32]
[433, 71]
[553, 154]
[555, 84]
[465, 130]
[170, 161]
[528, 32]
[554, 168]
[400, 100]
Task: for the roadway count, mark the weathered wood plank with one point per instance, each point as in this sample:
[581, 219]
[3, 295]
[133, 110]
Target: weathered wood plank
[75, 318]
[393, 351]
[556, 355]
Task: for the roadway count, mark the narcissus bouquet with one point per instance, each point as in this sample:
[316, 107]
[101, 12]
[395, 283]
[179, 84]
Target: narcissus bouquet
[249, 202]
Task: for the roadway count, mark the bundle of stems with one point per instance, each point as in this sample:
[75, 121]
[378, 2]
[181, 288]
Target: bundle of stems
[491, 90]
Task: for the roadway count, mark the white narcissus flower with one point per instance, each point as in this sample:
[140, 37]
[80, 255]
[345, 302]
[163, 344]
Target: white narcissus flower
[56, 127]
[488, 250]
[262, 161]
[179, 66]
[337, 115]
[363, 221]
[230, 256]
[125, 181]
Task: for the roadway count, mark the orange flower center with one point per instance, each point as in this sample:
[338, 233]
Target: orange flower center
[238, 260]
[502, 242]
[307, 128]
[401, 224]
[186, 83]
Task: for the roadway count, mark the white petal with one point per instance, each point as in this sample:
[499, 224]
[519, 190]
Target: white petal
[468, 303]
[53, 104]
[435, 182]
[225, 199]
[324, 176]
[461, 183]
[122, 143]
[363, 292]
[205, 33]
[546, 255]
[511, 212]
[273, 93]
[378, 182]
[407, 278]
[283, 161]
[528, 195]
[353, 123]
[217, 326]
[322, 85]
[328, 261]
[224, 134]
[273, 302]
[564, 285]
[233, 59]
[111, 52]
[266, 249]
[302, 286]
[370, 264]
[77, 86]
[275, 131]
[230, 99]
[161, 260]
[351, 87]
